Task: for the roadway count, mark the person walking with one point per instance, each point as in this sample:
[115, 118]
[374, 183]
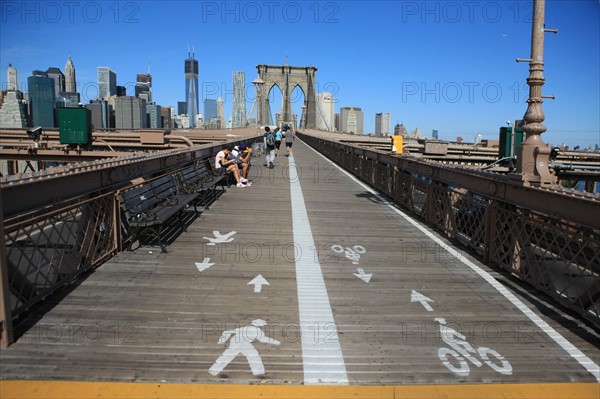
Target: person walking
[269, 139]
[289, 139]
[277, 141]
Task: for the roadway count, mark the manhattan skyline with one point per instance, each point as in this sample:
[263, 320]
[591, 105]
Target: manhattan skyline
[448, 66]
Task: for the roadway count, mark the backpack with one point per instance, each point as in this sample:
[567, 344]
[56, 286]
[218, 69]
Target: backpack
[270, 139]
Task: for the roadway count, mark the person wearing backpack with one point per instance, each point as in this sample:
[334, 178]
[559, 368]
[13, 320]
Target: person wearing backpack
[269, 139]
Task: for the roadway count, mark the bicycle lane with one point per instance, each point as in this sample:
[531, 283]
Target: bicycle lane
[408, 311]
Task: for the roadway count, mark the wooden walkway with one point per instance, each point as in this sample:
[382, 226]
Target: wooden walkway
[322, 282]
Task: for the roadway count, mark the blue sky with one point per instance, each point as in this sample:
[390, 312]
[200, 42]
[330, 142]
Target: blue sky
[445, 65]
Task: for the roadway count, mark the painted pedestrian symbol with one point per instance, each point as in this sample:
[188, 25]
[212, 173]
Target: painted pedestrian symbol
[241, 343]
[220, 238]
[351, 253]
[462, 351]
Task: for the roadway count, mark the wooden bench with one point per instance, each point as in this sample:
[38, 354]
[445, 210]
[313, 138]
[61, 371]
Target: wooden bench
[202, 180]
[149, 207]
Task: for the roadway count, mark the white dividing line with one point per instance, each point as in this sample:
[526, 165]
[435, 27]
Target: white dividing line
[322, 357]
[571, 349]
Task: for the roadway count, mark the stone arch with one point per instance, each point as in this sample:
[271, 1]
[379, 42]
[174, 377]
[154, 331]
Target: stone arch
[298, 102]
[270, 104]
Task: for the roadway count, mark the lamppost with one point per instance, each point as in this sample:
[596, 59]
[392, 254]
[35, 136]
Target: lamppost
[258, 88]
[533, 155]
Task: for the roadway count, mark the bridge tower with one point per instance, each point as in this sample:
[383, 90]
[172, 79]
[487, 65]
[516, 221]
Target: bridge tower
[287, 77]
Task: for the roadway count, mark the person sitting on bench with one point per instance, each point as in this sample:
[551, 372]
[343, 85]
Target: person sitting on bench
[223, 165]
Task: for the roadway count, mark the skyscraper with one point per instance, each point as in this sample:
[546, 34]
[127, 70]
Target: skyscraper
[12, 109]
[101, 112]
[107, 83]
[59, 79]
[325, 112]
[191, 88]
[221, 111]
[130, 113]
[41, 98]
[143, 87]
[70, 83]
[167, 118]
[382, 124]
[210, 109]
[238, 109]
[121, 91]
[351, 120]
[13, 81]
[181, 108]
[153, 116]
[400, 130]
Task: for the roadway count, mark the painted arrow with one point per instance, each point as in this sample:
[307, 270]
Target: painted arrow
[205, 264]
[418, 297]
[366, 277]
[258, 282]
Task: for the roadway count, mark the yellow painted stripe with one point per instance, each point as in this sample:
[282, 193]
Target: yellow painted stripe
[125, 390]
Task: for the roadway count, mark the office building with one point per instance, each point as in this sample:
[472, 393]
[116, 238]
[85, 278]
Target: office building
[351, 120]
[166, 114]
[221, 111]
[130, 113]
[70, 82]
[192, 94]
[101, 114]
[12, 108]
[325, 112]
[59, 79]
[400, 130]
[69, 100]
[210, 109]
[181, 122]
[12, 79]
[181, 108]
[382, 124]
[435, 134]
[121, 91]
[238, 108]
[41, 99]
[143, 87]
[107, 83]
[154, 118]
[12, 111]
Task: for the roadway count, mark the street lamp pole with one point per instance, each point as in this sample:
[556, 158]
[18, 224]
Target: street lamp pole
[258, 86]
[533, 155]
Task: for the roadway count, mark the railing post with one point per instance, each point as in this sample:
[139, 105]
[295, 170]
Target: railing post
[6, 325]
[489, 236]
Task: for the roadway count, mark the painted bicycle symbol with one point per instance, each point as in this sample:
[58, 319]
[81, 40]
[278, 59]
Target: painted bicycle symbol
[351, 253]
[462, 351]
